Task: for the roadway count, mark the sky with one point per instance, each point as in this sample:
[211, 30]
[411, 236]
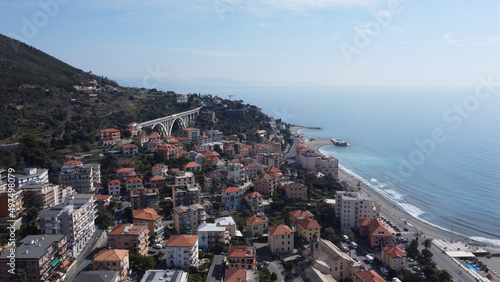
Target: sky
[173, 43]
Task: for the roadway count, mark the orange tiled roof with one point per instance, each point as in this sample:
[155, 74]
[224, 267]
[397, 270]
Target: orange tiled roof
[145, 214]
[370, 276]
[230, 190]
[299, 213]
[191, 128]
[241, 251]
[73, 162]
[308, 224]
[113, 182]
[111, 255]
[191, 164]
[395, 252]
[157, 178]
[254, 195]
[134, 229]
[280, 230]
[109, 130]
[182, 240]
[255, 219]
[101, 197]
[235, 275]
[134, 179]
[125, 169]
[129, 146]
[235, 160]
[183, 152]
[273, 169]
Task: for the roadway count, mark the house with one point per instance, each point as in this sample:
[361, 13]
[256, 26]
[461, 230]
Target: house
[255, 201]
[102, 199]
[158, 182]
[109, 136]
[266, 184]
[114, 187]
[130, 150]
[184, 178]
[374, 230]
[187, 219]
[241, 257]
[257, 224]
[192, 166]
[351, 206]
[228, 223]
[280, 239]
[230, 198]
[160, 169]
[133, 183]
[296, 191]
[43, 255]
[253, 171]
[210, 235]
[125, 173]
[182, 251]
[368, 276]
[394, 257]
[190, 133]
[141, 139]
[307, 228]
[113, 259]
[168, 151]
[182, 99]
[153, 220]
[236, 172]
[128, 236]
[298, 214]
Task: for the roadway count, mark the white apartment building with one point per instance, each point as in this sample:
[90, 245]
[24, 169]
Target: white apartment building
[350, 206]
[32, 175]
[230, 198]
[328, 165]
[236, 172]
[184, 178]
[82, 177]
[182, 251]
[209, 235]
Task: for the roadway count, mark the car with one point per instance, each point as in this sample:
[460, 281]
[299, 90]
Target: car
[265, 262]
[398, 234]
[157, 246]
[384, 271]
[405, 229]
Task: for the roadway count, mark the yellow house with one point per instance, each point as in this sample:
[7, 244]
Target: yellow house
[394, 257]
[307, 228]
[113, 259]
[280, 239]
[257, 224]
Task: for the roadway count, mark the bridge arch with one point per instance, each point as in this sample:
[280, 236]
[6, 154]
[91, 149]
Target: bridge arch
[162, 130]
[181, 123]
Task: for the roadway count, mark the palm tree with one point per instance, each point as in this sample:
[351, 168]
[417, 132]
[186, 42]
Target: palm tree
[417, 235]
[427, 243]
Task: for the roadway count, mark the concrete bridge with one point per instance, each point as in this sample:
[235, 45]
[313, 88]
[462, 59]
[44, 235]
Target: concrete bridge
[164, 125]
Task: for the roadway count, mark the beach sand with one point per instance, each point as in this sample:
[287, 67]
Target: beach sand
[388, 208]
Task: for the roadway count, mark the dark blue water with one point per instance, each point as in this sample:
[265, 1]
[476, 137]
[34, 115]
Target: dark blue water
[434, 151]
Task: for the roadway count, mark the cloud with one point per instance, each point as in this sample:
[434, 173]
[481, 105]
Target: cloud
[454, 40]
[224, 53]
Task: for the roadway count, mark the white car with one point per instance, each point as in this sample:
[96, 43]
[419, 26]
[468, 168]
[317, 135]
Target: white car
[157, 246]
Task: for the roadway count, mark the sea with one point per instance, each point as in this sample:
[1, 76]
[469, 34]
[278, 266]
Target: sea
[434, 151]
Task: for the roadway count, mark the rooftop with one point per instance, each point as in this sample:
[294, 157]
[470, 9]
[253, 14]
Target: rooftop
[34, 246]
[280, 230]
[182, 241]
[111, 255]
[146, 214]
[128, 229]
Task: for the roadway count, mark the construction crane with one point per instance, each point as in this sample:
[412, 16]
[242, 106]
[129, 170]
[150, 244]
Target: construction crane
[230, 101]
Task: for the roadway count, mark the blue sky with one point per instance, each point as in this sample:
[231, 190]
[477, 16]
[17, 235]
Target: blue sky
[167, 43]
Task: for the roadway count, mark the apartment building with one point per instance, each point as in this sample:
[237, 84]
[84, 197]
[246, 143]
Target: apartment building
[230, 198]
[128, 236]
[190, 133]
[280, 239]
[266, 184]
[109, 136]
[296, 191]
[351, 206]
[153, 220]
[182, 251]
[125, 173]
[255, 202]
[187, 219]
[184, 178]
[114, 187]
[375, 231]
[257, 224]
[133, 183]
[307, 228]
[82, 177]
[32, 175]
[185, 195]
[145, 198]
[327, 165]
[113, 260]
[395, 258]
[11, 204]
[241, 257]
[210, 235]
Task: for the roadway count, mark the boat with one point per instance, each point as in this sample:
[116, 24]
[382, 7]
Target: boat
[339, 142]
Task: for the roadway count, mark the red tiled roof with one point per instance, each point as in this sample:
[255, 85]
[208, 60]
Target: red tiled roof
[235, 160]
[125, 169]
[111, 255]
[145, 214]
[235, 275]
[134, 229]
[308, 224]
[395, 252]
[157, 178]
[370, 276]
[255, 219]
[109, 130]
[73, 162]
[273, 169]
[254, 195]
[241, 251]
[154, 134]
[129, 146]
[182, 152]
[191, 164]
[182, 240]
[101, 197]
[191, 128]
[230, 190]
[299, 213]
[112, 182]
[279, 230]
[134, 179]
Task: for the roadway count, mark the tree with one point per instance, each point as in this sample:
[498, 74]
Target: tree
[409, 276]
[427, 243]
[412, 249]
[104, 217]
[21, 276]
[274, 276]
[32, 214]
[426, 256]
[142, 263]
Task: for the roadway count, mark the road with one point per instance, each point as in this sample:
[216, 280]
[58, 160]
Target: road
[275, 266]
[98, 240]
[215, 273]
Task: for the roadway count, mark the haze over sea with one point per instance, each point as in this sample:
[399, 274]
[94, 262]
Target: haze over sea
[433, 151]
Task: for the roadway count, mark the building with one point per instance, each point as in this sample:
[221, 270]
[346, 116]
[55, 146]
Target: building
[280, 239]
[104, 200]
[41, 256]
[296, 191]
[214, 135]
[210, 235]
[374, 230]
[168, 275]
[125, 173]
[190, 133]
[145, 198]
[76, 220]
[185, 195]
[113, 259]
[351, 206]
[32, 175]
[307, 228]
[130, 150]
[307, 160]
[395, 258]
[114, 187]
[127, 236]
[133, 183]
[255, 201]
[241, 257]
[266, 184]
[236, 172]
[11, 203]
[184, 178]
[298, 214]
[328, 165]
[257, 224]
[236, 275]
[192, 166]
[153, 220]
[182, 251]
[230, 198]
[368, 276]
[109, 136]
[227, 222]
[182, 99]
[98, 275]
[160, 169]
[187, 219]
[158, 182]
[82, 177]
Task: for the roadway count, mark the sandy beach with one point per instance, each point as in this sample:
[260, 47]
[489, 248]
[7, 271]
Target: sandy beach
[397, 214]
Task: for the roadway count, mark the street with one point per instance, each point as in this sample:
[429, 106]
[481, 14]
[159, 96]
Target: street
[98, 240]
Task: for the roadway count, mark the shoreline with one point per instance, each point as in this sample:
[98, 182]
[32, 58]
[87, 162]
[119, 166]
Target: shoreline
[387, 206]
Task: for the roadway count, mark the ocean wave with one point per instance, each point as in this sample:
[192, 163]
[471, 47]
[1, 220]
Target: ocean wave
[493, 242]
[378, 183]
[393, 194]
[412, 210]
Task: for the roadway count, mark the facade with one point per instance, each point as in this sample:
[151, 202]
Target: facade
[241, 257]
[41, 256]
[113, 259]
[230, 198]
[182, 251]
[133, 183]
[82, 177]
[192, 166]
[307, 160]
[266, 184]
[158, 182]
[351, 206]
[210, 235]
[280, 239]
[184, 178]
[130, 150]
[145, 198]
[125, 173]
[190, 133]
[109, 136]
[255, 201]
[160, 169]
[227, 222]
[11, 204]
[257, 224]
[328, 165]
[307, 228]
[214, 135]
[76, 220]
[153, 220]
[187, 219]
[296, 191]
[185, 195]
[133, 237]
[374, 230]
[236, 172]
[168, 275]
[395, 258]
[114, 187]
[32, 175]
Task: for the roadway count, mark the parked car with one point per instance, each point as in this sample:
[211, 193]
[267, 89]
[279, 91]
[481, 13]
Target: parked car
[384, 271]
[157, 246]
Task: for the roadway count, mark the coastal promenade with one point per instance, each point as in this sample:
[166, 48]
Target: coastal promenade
[398, 215]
